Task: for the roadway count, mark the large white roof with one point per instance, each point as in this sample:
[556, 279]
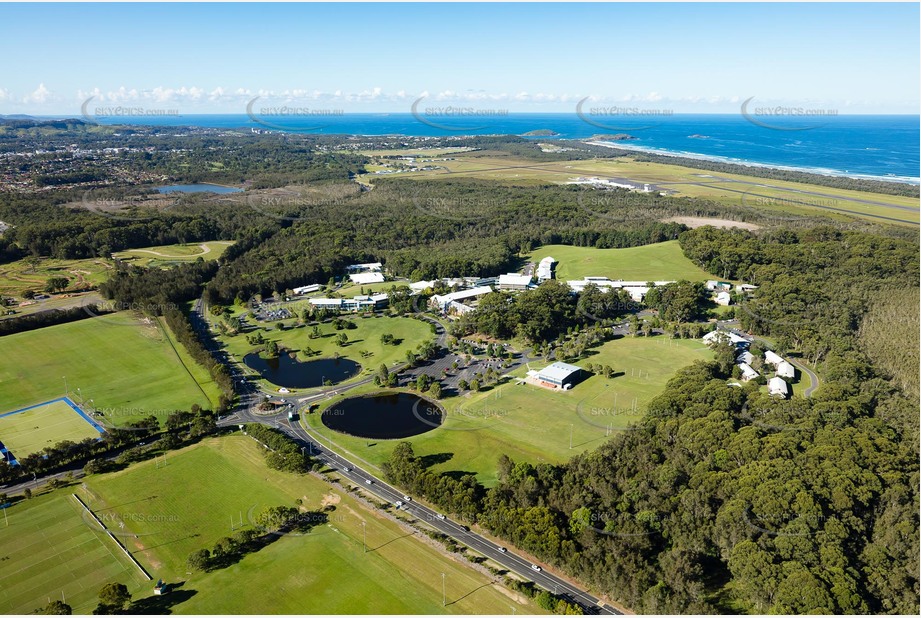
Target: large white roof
[514, 279]
[363, 278]
[558, 371]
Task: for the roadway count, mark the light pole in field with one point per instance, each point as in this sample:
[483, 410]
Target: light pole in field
[65, 385]
[444, 595]
[364, 537]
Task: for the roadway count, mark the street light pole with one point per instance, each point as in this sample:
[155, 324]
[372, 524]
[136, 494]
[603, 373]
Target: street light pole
[364, 537]
[444, 595]
[65, 385]
[571, 425]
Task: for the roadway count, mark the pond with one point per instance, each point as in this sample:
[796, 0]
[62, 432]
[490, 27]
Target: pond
[198, 187]
[385, 416]
[291, 373]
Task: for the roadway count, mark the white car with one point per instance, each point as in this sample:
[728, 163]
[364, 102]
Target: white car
[368, 481]
[534, 567]
[407, 498]
[439, 516]
[398, 504]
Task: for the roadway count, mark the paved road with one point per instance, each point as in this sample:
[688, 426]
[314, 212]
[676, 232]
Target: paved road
[360, 478]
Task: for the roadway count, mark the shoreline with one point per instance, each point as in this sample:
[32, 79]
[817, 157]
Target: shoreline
[818, 171]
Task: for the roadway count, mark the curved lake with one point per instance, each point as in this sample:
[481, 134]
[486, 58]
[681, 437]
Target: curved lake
[292, 373]
[198, 187]
[386, 416]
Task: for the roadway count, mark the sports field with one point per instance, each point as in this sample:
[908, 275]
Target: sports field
[656, 262]
[31, 429]
[47, 549]
[175, 508]
[532, 424]
[165, 255]
[125, 365]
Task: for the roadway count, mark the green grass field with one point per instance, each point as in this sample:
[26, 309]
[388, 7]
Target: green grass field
[737, 190]
[656, 262]
[532, 424]
[166, 255]
[128, 368]
[29, 431]
[366, 338]
[47, 548]
[175, 507]
[21, 275]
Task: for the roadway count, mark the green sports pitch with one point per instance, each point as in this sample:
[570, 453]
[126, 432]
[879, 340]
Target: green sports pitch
[29, 430]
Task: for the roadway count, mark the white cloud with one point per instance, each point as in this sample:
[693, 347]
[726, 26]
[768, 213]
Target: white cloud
[39, 95]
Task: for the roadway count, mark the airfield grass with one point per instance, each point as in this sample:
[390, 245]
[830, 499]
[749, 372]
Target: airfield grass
[21, 275]
[659, 261]
[364, 345]
[27, 432]
[187, 501]
[47, 548]
[533, 424]
[745, 192]
[166, 255]
[128, 368]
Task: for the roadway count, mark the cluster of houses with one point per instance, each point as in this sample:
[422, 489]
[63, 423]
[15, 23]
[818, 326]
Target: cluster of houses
[722, 290]
[783, 370]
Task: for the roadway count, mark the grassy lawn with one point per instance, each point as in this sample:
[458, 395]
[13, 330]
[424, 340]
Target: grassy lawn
[175, 509]
[731, 189]
[127, 367]
[532, 424]
[165, 255]
[364, 344]
[17, 277]
[48, 549]
[31, 430]
[659, 261]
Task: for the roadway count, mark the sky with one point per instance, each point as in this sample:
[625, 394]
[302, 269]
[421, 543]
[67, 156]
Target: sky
[354, 58]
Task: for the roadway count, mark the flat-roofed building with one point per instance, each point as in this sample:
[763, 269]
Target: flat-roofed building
[369, 267]
[545, 269]
[366, 278]
[441, 301]
[514, 281]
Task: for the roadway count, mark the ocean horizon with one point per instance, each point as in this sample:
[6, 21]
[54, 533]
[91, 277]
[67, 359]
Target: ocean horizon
[879, 147]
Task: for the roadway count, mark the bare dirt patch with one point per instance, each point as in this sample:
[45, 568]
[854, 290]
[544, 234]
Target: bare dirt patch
[693, 222]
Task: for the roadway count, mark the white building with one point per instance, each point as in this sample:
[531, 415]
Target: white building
[441, 301]
[745, 357]
[786, 370]
[357, 303]
[719, 285]
[747, 372]
[307, 289]
[369, 267]
[772, 359]
[723, 298]
[722, 335]
[421, 286]
[514, 281]
[777, 386]
[545, 269]
[561, 375]
[746, 287]
[364, 278]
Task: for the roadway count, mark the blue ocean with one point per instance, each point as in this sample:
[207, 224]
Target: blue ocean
[881, 147]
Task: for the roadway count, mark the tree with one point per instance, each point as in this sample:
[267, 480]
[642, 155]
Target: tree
[435, 390]
[114, 596]
[387, 339]
[27, 493]
[271, 349]
[199, 560]
[57, 608]
[342, 339]
[57, 284]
